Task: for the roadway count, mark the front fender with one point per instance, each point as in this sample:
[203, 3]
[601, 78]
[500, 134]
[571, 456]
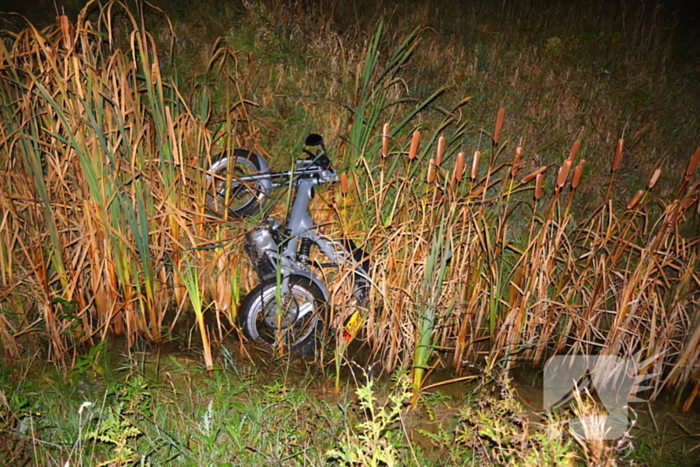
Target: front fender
[313, 278]
[289, 267]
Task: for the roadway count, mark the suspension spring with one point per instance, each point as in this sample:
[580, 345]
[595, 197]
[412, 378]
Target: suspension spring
[304, 251]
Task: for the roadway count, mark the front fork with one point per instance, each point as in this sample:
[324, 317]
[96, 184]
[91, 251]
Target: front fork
[270, 254]
[264, 249]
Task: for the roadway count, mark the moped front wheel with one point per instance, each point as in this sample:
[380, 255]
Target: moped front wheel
[227, 193]
[288, 312]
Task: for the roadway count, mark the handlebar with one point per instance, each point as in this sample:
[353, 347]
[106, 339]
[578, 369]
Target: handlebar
[308, 170]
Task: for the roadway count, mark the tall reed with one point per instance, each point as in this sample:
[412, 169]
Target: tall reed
[100, 181]
[469, 270]
[102, 201]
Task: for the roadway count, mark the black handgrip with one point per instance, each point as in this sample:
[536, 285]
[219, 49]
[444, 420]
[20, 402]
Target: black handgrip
[314, 139]
[316, 150]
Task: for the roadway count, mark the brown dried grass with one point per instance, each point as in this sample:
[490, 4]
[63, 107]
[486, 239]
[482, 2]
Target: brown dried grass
[600, 284]
[102, 186]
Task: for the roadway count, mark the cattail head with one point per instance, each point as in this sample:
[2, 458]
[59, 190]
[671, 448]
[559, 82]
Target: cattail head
[530, 177]
[574, 150]
[516, 161]
[577, 174]
[618, 155]
[635, 199]
[563, 173]
[344, 184]
[65, 30]
[693, 164]
[459, 167]
[440, 150]
[475, 165]
[534, 174]
[413, 151]
[654, 178]
[499, 124]
[538, 186]
[431, 170]
[385, 140]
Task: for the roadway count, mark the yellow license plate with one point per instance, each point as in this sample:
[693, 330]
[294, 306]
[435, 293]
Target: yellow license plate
[353, 324]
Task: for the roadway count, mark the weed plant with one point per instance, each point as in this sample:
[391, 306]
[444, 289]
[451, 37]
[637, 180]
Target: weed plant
[142, 411]
[185, 415]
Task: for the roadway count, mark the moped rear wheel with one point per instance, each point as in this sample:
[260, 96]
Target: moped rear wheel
[287, 313]
[226, 194]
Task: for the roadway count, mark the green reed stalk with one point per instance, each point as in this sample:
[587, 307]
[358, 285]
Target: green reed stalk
[371, 100]
[436, 268]
[190, 277]
[32, 157]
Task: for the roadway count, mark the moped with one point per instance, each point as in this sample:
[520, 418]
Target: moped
[290, 307]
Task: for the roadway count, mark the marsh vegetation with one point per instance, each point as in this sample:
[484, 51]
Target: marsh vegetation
[526, 186]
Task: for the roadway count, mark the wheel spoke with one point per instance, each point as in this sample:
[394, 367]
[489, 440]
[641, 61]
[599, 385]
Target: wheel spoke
[228, 193]
[304, 309]
[292, 319]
